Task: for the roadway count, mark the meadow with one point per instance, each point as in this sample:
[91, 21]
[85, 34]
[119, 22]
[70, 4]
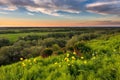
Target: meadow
[60, 54]
[13, 37]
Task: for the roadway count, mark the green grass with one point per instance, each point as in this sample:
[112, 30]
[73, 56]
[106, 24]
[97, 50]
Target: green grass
[14, 37]
[109, 46]
[56, 68]
[102, 66]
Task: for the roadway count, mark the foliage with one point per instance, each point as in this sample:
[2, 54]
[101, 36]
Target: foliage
[54, 56]
[4, 42]
[57, 68]
[47, 52]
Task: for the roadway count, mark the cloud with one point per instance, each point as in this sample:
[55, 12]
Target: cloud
[108, 22]
[53, 7]
[9, 8]
[50, 7]
[105, 7]
[3, 13]
[31, 14]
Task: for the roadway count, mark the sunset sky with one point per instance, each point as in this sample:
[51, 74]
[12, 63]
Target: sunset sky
[59, 13]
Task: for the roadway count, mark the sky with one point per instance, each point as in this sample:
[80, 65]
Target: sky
[42, 13]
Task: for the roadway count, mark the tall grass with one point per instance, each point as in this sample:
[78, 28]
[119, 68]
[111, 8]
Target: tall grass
[101, 67]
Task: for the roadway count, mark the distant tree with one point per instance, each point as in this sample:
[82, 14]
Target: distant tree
[4, 42]
[29, 37]
[33, 51]
[22, 43]
[88, 36]
[9, 54]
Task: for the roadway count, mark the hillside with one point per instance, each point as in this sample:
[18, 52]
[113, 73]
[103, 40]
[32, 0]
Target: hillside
[102, 63]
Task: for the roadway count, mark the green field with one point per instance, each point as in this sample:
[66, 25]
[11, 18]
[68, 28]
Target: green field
[14, 37]
[85, 56]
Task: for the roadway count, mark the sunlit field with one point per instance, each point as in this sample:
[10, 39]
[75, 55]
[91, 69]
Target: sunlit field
[60, 54]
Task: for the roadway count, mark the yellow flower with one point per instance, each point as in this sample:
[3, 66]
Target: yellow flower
[85, 62]
[59, 65]
[74, 52]
[82, 57]
[21, 59]
[68, 55]
[73, 58]
[23, 64]
[55, 63]
[30, 63]
[34, 60]
[68, 64]
[66, 59]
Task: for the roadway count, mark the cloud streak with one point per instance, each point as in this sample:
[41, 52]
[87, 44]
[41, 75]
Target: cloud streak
[50, 7]
[53, 7]
[105, 7]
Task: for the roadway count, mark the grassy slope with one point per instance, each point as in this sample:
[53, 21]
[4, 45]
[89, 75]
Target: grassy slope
[109, 45]
[99, 67]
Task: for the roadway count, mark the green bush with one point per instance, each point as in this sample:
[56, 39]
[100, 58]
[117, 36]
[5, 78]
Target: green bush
[47, 52]
[4, 42]
[82, 47]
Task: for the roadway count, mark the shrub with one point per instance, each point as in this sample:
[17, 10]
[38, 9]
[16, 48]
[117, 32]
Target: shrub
[71, 42]
[9, 54]
[4, 42]
[88, 36]
[82, 47]
[47, 52]
[31, 52]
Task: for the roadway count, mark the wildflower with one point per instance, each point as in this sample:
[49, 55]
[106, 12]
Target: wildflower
[55, 63]
[85, 62]
[21, 59]
[73, 58]
[68, 55]
[66, 59]
[68, 64]
[82, 57]
[23, 64]
[34, 60]
[59, 65]
[30, 63]
[74, 52]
